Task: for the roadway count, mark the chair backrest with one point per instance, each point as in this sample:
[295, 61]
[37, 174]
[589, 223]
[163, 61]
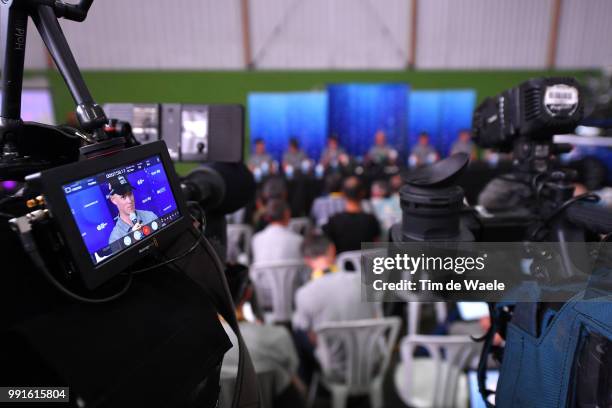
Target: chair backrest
[451, 355]
[239, 242]
[276, 282]
[413, 313]
[300, 225]
[351, 260]
[366, 350]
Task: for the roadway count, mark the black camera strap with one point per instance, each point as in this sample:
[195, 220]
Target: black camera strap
[199, 267]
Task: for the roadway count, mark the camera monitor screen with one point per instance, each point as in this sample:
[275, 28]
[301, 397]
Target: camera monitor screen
[117, 208]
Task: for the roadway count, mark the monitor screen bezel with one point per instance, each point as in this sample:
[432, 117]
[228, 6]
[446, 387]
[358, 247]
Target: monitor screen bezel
[93, 275]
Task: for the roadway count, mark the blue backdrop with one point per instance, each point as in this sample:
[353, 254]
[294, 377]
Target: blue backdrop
[276, 117]
[442, 114]
[354, 112]
[357, 111]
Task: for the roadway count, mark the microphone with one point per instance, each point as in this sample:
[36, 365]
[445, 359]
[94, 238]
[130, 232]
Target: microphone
[134, 218]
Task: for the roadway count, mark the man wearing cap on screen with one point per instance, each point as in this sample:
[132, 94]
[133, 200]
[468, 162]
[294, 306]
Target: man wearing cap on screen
[129, 218]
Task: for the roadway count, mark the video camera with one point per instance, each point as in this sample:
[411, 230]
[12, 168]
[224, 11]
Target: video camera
[93, 216]
[563, 336]
[524, 120]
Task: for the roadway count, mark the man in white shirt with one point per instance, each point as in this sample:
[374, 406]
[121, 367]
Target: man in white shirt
[276, 242]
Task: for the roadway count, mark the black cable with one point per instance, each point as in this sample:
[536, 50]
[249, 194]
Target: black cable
[561, 208]
[171, 260]
[32, 251]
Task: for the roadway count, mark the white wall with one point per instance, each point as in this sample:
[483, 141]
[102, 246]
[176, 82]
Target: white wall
[585, 35]
[334, 34]
[483, 33]
[323, 34]
[158, 34]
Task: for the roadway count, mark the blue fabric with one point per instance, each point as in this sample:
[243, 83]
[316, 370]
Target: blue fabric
[277, 117]
[442, 114]
[357, 111]
[537, 371]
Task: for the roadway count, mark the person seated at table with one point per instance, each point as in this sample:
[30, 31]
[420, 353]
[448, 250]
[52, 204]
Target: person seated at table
[330, 296]
[423, 153]
[334, 156]
[331, 203]
[464, 144]
[381, 153]
[271, 348]
[277, 242]
[294, 159]
[260, 162]
[348, 229]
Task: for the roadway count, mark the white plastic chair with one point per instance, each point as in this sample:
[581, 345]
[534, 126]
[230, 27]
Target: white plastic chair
[275, 284]
[366, 347]
[353, 258]
[300, 225]
[413, 312]
[239, 242]
[438, 380]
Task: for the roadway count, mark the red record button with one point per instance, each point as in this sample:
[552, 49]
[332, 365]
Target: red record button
[146, 230]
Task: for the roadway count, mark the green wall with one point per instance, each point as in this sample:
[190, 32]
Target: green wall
[234, 86]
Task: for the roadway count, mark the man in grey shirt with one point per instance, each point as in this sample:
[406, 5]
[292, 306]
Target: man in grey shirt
[331, 296]
[260, 159]
[333, 155]
[464, 144]
[423, 153]
[294, 156]
[129, 218]
[381, 152]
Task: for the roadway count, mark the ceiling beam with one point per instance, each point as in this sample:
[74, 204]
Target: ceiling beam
[246, 34]
[553, 35]
[412, 35]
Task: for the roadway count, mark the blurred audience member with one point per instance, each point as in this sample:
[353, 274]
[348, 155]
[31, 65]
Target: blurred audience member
[260, 162]
[385, 207]
[350, 228]
[276, 242]
[333, 155]
[271, 347]
[396, 183]
[274, 188]
[329, 297]
[423, 153]
[464, 144]
[331, 203]
[319, 255]
[381, 153]
[294, 158]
